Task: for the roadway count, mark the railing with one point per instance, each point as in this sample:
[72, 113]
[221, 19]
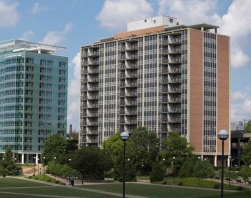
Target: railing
[93, 54]
[92, 105]
[131, 75]
[174, 70]
[174, 110]
[92, 114]
[131, 84]
[174, 100]
[131, 93]
[174, 130]
[174, 90]
[92, 97]
[92, 79]
[174, 120]
[130, 65]
[130, 112]
[132, 47]
[131, 103]
[92, 141]
[93, 71]
[92, 123]
[132, 56]
[163, 61]
[131, 121]
[174, 80]
[92, 132]
[174, 60]
[93, 88]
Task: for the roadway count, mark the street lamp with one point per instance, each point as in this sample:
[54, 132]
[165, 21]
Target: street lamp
[173, 169]
[222, 135]
[229, 171]
[124, 136]
[199, 172]
[44, 168]
[55, 167]
[34, 165]
[70, 176]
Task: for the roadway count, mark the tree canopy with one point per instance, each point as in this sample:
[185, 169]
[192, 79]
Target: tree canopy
[246, 153]
[176, 147]
[53, 147]
[248, 127]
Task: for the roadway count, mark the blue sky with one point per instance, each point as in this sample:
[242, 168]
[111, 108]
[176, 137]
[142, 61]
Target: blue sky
[74, 23]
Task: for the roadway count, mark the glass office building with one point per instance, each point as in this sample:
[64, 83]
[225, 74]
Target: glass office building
[33, 97]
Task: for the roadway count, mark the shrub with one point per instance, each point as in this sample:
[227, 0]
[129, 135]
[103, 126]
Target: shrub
[180, 183]
[48, 180]
[216, 186]
[164, 182]
[239, 187]
[157, 173]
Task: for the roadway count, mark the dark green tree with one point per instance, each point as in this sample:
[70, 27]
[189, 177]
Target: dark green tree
[246, 153]
[248, 127]
[157, 172]
[187, 169]
[144, 148]
[203, 169]
[7, 163]
[245, 172]
[176, 146]
[54, 146]
[91, 162]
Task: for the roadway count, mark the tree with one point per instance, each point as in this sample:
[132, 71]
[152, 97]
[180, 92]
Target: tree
[187, 170]
[203, 169]
[178, 147]
[248, 127]
[91, 162]
[246, 153]
[156, 173]
[144, 148]
[53, 147]
[8, 165]
[245, 172]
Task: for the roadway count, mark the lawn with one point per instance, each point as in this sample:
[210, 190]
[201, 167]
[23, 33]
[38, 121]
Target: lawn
[157, 191]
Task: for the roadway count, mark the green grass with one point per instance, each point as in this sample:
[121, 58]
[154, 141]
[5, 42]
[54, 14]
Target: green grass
[9, 185]
[157, 191]
[193, 182]
[45, 178]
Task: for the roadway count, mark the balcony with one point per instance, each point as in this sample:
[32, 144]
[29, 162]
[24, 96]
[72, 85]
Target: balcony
[174, 80]
[92, 114]
[174, 130]
[93, 80]
[132, 75]
[93, 88]
[163, 100]
[174, 70]
[174, 90]
[131, 66]
[175, 41]
[132, 57]
[164, 120]
[93, 54]
[163, 110]
[84, 80]
[92, 141]
[82, 114]
[122, 65]
[92, 123]
[92, 132]
[163, 51]
[175, 51]
[164, 80]
[131, 94]
[131, 84]
[130, 112]
[84, 71]
[164, 42]
[92, 97]
[174, 110]
[131, 122]
[121, 57]
[92, 106]
[93, 62]
[164, 90]
[174, 61]
[83, 97]
[132, 48]
[93, 71]
[121, 48]
[174, 100]
[174, 120]
[131, 103]
[83, 123]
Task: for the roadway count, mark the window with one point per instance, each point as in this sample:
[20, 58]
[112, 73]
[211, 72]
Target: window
[171, 20]
[154, 21]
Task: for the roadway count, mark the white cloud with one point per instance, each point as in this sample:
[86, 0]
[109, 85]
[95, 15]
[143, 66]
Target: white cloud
[8, 14]
[116, 13]
[39, 8]
[73, 94]
[189, 12]
[241, 111]
[55, 38]
[235, 23]
[27, 35]
[238, 95]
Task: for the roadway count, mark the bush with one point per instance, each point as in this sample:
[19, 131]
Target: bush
[57, 181]
[216, 186]
[157, 173]
[48, 180]
[239, 187]
[164, 182]
[180, 183]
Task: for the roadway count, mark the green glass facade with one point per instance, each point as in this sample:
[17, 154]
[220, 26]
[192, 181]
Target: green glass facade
[33, 97]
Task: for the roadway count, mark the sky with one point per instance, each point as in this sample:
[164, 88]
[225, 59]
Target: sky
[75, 23]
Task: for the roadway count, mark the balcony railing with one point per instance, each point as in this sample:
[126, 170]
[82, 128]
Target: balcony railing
[132, 47]
[92, 105]
[131, 66]
[92, 79]
[174, 70]
[174, 130]
[131, 94]
[174, 120]
[174, 100]
[174, 90]
[131, 122]
[131, 103]
[131, 84]
[92, 132]
[93, 88]
[92, 141]
[92, 123]
[174, 110]
[93, 71]
[92, 114]
[174, 80]
[130, 112]
[132, 56]
[131, 75]
[92, 97]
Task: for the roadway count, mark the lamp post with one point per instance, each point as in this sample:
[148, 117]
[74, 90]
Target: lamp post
[199, 172]
[229, 171]
[70, 176]
[124, 136]
[44, 168]
[55, 167]
[222, 135]
[34, 165]
[173, 169]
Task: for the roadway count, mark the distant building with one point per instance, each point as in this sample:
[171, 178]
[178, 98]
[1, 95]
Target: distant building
[33, 102]
[163, 76]
[238, 140]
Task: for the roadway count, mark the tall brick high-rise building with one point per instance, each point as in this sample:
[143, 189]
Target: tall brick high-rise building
[161, 75]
